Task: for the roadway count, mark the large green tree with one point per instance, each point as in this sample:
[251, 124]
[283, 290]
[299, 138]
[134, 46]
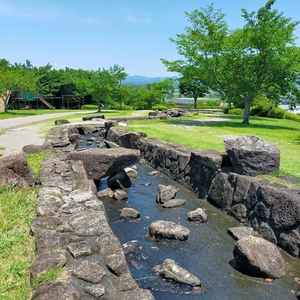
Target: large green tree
[15, 77]
[260, 58]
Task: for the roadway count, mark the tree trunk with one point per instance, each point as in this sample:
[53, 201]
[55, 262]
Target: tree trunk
[247, 103]
[99, 106]
[195, 102]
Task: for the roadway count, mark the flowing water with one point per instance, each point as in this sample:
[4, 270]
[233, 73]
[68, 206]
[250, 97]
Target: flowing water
[207, 253]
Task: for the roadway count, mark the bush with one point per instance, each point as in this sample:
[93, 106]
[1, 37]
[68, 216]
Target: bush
[291, 116]
[170, 104]
[276, 112]
[116, 106]
[159, 107]
[89, 106]
[236, 111]
[267, 111]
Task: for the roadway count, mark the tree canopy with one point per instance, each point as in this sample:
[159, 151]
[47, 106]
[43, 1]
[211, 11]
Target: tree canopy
[259, 59]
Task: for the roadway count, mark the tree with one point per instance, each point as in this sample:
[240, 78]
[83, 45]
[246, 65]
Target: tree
[189, 85]
[120, 75]
[261, 58]
[15, 77]
[102, 84]
[165, 87]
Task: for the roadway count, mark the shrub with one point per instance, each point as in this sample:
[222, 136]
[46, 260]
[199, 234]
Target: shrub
[116, 106]
[170, 104]
[276, 112]
[291, 116]
[89, 106]
[159, 107]
[236, 111]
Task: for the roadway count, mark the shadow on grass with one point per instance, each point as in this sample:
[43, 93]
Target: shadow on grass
[233, 122]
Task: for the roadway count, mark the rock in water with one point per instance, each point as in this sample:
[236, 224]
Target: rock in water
[259, 257]
[170, 269]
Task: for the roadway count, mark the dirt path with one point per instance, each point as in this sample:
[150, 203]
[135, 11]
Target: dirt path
[15, 133]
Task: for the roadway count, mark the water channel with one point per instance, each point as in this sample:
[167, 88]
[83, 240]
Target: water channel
[207, 253]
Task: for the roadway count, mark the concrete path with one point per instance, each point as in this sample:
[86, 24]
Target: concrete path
[15, 133]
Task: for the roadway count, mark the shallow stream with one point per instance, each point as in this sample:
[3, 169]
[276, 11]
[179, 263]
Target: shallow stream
[207, 253]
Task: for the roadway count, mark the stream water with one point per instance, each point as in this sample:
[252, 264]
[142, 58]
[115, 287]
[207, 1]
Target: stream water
[207, 253]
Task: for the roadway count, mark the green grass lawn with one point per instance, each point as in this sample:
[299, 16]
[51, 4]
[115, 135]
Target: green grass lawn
[195, 132]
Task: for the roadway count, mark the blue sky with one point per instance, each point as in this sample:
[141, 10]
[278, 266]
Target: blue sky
[92, 34]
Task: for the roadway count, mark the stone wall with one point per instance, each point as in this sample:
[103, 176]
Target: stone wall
[273, 211]
[72, 231]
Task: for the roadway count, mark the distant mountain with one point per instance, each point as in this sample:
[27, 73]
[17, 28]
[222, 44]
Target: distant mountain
[142, 80]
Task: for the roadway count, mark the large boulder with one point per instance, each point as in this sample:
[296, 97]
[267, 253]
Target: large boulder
[252, 156]
[170, 269]
[259, 257]
[100, 163]
[14, 170]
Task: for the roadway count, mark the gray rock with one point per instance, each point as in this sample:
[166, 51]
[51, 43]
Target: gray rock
[97, 290]
[108, 243]
[240, 232]
[71, 208]
[120, 195]
[170, 269]
[45, 262]
[259, 257]
[48, 205]
[252, 156]
[174, 203]
[100, 163]
[89, 222]
[105, 193]
[125, 283]
[33, 149]
[210, 158]
[220, 193]
[89, 271]
[50, 191]
[239, 211]
[46, 241]
[136, 294]
[285, 211]
[168, 230]
[130, 247]
[14, 170]
[55, 290]
[116, 263]
[128, 212]
[82, 195]
[61, 122]
[165, 193]
[131, 172]
[197, 215]
[45, 223]
[79, 248]
[290, 242]
[267, 232]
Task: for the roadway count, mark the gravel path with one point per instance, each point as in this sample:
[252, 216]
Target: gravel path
[19, 132]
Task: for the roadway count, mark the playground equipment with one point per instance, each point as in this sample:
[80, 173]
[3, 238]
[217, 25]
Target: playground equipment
[32, 100]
